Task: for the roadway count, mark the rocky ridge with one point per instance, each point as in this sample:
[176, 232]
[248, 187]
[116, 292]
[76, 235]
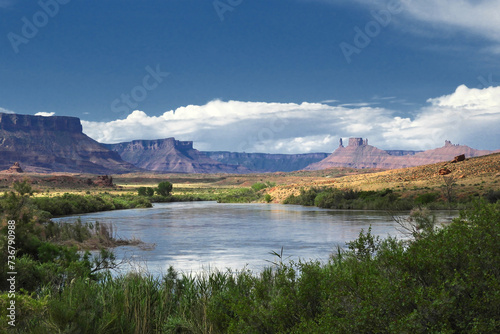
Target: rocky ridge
[54, 144]
[265, 162]
[358, 154]
[170, 155]
[469, 171]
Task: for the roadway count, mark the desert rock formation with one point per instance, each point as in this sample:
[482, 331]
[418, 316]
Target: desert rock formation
[265, 162]
[170, 155]
[54, 144]
[15, 168]
[359, 154]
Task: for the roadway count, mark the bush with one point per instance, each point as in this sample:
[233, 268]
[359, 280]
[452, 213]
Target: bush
[164, 188]
[258, 186]
[427, 198]
[69, 204]
[239, 195]
[444, 280]
[333, 198]
[492, 196]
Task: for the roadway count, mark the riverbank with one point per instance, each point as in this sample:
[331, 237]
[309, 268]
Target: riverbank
[375, 286]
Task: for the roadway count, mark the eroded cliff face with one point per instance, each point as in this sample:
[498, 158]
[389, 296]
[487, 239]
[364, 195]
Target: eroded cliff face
[27, 123]
[358, 154]
[54, 144]
[170, 155]
[265, 162]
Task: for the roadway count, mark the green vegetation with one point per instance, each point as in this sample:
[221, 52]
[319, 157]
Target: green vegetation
[268, 198]
[444, 280]
[164, 189]
[246, 195]
[258, 186]
[333, 198]
[239, 195]
[146, 191]
[42, 259]
[69, 204]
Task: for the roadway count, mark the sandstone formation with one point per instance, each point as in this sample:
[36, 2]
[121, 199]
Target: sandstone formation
[54, 144]
[444, 171]
[15, 168]
[458, 158]
[359, 154]
[103, 181]
[264, 162]
[170, 155]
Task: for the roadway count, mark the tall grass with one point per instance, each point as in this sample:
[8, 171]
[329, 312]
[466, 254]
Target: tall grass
[442, 281]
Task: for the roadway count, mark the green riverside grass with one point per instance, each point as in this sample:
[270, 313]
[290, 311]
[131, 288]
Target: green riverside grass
[441, 280]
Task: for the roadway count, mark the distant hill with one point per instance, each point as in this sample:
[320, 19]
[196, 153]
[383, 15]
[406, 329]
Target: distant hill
[170, 155]
[54, 144]
[358, 154]
[264, 162]
[468, 174]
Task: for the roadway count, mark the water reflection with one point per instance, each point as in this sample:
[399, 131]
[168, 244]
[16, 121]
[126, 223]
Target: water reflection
[197, 236]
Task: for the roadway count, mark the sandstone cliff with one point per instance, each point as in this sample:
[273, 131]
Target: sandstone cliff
[359, 154]
[170, 155]
[54, 144]
[264, 162]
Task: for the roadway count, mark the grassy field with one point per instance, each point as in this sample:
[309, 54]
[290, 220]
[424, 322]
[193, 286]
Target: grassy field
[473, 177]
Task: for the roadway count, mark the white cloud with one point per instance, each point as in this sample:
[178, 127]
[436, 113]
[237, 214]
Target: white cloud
[45, 114]
[358, 104]
[442, 16]
[480, 17]
[6, 111]
[468, 116]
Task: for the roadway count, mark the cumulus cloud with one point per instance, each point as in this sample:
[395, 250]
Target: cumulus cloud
[45, 114]
[468, 116]
[6, 111]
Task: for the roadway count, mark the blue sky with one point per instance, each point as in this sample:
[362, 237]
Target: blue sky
[231, 69]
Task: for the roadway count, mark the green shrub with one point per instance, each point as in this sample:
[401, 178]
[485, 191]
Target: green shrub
[268, 198]
[426, 198]
[164, 188]
[492, 196]
[239, 195]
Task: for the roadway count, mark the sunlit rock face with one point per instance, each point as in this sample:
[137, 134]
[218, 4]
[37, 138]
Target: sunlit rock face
[170, 155]
[358, 154]
[54, 144]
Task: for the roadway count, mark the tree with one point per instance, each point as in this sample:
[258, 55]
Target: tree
[145, 191]
[142, 191]
[23, 188]
[449, 184]
[164, 188]
[150, 191]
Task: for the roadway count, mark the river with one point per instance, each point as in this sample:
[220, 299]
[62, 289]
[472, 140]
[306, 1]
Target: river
[201, 236]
